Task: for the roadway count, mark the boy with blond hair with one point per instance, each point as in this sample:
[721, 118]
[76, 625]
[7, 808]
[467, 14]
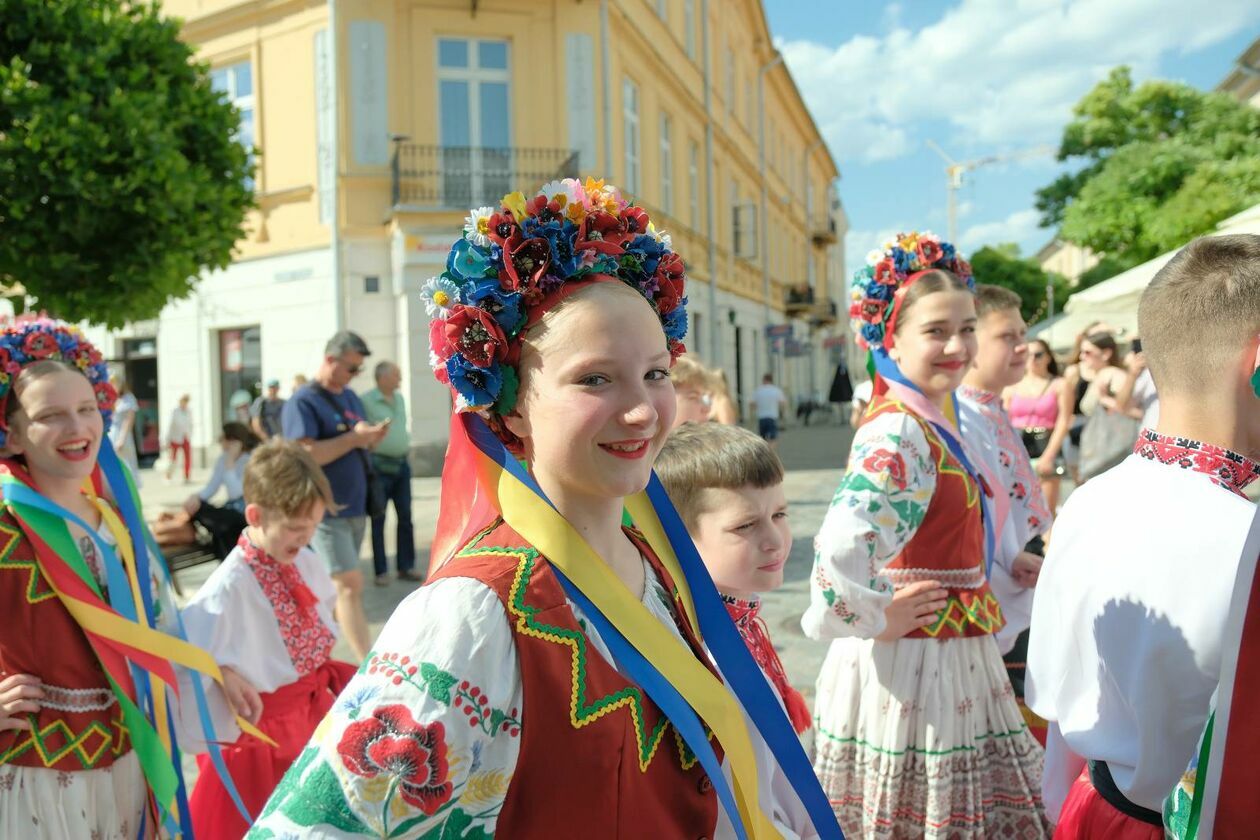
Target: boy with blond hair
[1127, 626]
[266, 616]
[1001, 357]
[727, 485]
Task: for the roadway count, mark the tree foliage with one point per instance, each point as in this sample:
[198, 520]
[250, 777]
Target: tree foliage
[120, 180]
[1160, 164]
[1002, 265]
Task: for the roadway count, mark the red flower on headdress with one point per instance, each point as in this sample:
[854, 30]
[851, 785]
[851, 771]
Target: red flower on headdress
[526, 262]
[476, 335]
[886, 272]
[962, 268]
[502, 227]
[602, 232]
[106, 396]
[671, 277]
[40, 345]
[872, 310]
[635, 220]
[929, 251]
[438, 341]
[394, 743]
[544, 208]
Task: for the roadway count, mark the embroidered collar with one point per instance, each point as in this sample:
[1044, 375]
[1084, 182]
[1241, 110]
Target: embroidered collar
[307, 639]
[1224, 467]
[752, 629]
[978, 395]
[742, 610]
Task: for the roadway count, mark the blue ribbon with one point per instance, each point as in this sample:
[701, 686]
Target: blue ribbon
[888, 369]
[725, 645]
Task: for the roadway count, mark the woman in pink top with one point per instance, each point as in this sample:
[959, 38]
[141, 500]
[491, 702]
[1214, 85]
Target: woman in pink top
[1034, 404]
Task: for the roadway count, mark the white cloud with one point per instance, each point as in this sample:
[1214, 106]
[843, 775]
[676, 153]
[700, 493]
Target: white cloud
[1017, 227]
[1001, 72]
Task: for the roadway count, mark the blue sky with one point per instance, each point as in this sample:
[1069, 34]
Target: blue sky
[979, 77]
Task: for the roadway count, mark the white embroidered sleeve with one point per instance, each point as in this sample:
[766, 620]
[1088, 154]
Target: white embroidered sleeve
[879, 505]
[424, 739]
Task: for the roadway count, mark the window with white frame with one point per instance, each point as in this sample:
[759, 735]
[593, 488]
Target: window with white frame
[474, 120]
[667, 165]
[630, 117]
[693, 182]
[237, 82]
[689, 28]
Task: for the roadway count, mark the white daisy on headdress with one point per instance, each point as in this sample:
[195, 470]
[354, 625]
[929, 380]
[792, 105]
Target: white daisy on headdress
[570, 189]
[874, 256]
[660, 236]
[477, 226]
[439, 295]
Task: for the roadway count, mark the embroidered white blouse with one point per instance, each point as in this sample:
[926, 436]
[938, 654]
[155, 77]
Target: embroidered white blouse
[444, 674]
[232, 619]
[1127, 625]
[880, 504]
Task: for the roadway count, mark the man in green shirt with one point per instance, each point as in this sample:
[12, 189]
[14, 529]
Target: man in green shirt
[384, 404]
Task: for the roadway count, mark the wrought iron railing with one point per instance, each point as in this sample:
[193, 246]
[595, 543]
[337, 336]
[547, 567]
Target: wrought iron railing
[459, 177]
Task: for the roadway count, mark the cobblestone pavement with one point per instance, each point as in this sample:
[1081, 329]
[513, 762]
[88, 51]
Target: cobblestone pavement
[814, 457]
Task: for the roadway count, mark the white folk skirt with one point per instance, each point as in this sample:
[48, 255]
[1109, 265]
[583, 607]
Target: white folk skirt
[923, 738]
[106, 803]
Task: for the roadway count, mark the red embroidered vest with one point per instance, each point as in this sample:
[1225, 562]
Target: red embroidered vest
[598, 759]
[948, 545]
[41, 638]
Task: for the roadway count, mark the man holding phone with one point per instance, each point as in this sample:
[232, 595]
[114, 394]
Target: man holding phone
[384, 404]
[327, 418]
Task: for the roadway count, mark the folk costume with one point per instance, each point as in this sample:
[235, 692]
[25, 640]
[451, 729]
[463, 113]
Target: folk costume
[272, 623]
[523, 691]
[988, 429]
[89, 613]
[1121, 662]
[918, 737]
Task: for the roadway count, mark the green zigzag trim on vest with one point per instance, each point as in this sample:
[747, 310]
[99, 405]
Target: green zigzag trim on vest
[581, 712]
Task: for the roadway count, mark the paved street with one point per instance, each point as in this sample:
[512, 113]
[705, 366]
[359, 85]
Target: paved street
[814, 457]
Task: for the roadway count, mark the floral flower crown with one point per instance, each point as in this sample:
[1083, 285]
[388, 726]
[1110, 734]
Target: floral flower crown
[25, 343]
[514, 264]
[875, 286]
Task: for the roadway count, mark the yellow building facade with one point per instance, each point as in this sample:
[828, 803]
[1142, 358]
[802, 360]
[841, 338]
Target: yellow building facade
[378, 123]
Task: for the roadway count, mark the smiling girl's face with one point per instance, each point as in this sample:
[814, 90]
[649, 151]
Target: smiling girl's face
[596, 401]
[935, 341]
[58, 425]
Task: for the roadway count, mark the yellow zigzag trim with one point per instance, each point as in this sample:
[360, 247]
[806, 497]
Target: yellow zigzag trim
[75, 744]
[985, 613]
[33, 593]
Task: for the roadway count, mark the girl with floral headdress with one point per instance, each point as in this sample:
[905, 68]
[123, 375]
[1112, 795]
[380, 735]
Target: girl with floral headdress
[522, 692]
[919, 734]
[87, 738]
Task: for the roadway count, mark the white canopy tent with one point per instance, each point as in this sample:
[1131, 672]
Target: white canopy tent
[1115, 301]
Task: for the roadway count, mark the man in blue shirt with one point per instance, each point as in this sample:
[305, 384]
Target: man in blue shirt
[327, 418]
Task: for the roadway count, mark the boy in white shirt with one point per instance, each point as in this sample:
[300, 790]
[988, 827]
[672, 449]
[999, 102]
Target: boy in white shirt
[1128, 622]
[265, 615]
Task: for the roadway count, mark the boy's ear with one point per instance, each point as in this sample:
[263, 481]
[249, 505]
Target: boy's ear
[253, 515]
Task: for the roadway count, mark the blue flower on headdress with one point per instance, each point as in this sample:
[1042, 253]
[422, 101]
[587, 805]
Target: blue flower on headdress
[675, 323]
[947, 252]
[879, 291]
[638, 263]
[873, 333]
[903, 259]
[478, 386]
[468, 262]
[506, 307]
[561, 235]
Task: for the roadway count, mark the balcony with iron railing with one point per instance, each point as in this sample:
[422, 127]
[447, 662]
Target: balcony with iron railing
[460, 177]
[801, 302]
[823, 230]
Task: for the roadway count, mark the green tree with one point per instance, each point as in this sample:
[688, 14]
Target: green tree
[1160, 163]
[120, 178]
[1002, 265]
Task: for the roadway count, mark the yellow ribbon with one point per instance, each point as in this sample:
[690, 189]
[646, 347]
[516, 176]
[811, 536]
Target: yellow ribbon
[564, 548]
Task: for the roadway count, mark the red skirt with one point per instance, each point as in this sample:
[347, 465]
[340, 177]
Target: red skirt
[1087, 816]
[290, 715]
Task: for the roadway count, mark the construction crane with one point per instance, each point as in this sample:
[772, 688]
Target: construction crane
[954, 175]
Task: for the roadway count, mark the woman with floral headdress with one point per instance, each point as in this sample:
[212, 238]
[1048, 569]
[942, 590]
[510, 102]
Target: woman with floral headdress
[919, 734]
[87, 747]
[522, 692]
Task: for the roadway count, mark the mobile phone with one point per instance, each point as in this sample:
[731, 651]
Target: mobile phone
[1136, 345]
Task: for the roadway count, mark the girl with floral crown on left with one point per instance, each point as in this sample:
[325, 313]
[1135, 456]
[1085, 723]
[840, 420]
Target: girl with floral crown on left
[87, 723]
